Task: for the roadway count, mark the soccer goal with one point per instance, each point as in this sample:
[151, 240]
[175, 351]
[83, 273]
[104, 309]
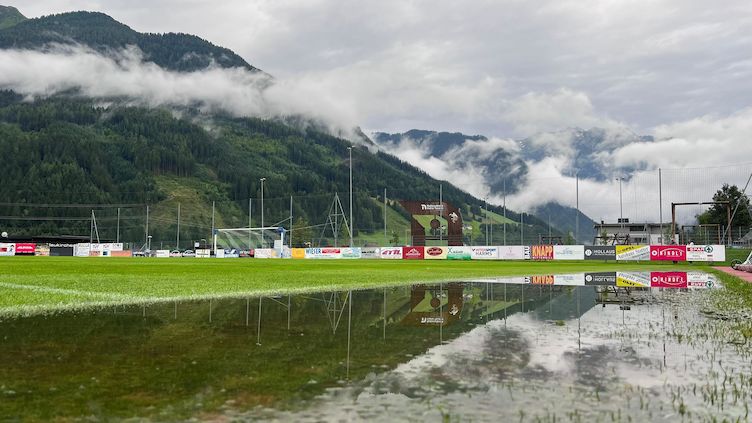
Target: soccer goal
[249, 238]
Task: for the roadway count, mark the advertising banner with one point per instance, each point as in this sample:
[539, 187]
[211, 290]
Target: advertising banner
[569, 252]
[600, 252]
[261, 253]
[541, 252]
[700, 280]
[541, 279]
[412, 253]
[391, 253]
[668, 252]
[323, 253]
[122, 253]
[694, 252]
[576, 279]
[82, 250]
[42, 250]
[25, 248]
[512, 252]
[668, 279]
[298, 253]
[633, 279]
[370, 252]
[436, 253]
[58, 250]
[459, 253]
[600, 278]
[162, 254]
[219, 253]
[484, 253]
[351, 253]
[632, 252]
[7, 249]
[204, 253]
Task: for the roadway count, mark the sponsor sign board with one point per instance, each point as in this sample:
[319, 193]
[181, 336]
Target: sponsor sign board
[219, 253]
[391, 253]
[412, 253]
[700, 280]
[632, 252]
[600, 278]
[576, 279]
[541, 252]
[459, 253]
[369, 252]
[25, 248]
[351, 253]
[83, 250]
[162, 254]
[484, 253]
[261, 253]
[540, 279]
[435, 253]
[633, 279]
[7, 249]
[204, 253]
[668, 252]
[323, 253]
[298, 253]
[668, 279]
[694, 252]
[62, 251]
[42, 250]
[600, 252]
[512, 252]
[569, 252]
[122, 253]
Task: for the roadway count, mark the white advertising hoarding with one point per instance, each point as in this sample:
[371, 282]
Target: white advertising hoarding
[512, 252]
[484, 253]
[569, 252]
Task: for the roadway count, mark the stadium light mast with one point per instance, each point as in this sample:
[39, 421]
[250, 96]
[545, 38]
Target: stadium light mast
[262, 209]
[621, 208]
[352, 224]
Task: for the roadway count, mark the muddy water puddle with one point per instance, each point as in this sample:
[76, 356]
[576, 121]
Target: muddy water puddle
[582, 347]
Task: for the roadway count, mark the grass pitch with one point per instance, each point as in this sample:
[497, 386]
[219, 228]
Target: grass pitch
[30, 285]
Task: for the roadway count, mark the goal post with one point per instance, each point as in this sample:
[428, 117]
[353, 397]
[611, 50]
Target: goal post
[248, 238]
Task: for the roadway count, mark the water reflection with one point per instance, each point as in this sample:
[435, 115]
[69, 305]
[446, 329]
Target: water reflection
[297, 357]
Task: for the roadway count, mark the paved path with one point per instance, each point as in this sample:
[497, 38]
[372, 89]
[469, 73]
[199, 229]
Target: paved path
[738, 273]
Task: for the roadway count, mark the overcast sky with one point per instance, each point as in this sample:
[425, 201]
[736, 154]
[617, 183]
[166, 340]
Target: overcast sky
[500, 68]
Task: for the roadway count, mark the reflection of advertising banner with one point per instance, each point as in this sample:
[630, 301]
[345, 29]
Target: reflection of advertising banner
[25, 248]
[633, 279]
[7, 249]
[577, 279]
[600, 278]
[369, 252]
[412, 253]
[605, 252]
[569, 252]
[668, 279]
[42, 250]
[459, 253]
[351, 253]
[484, 253]
[668, 252]
[512, 252]
[435, 253]
[541, 279]
[632, 252]
[391, 253]
[694, 252]
[700, 280]
[83, 250]
[541, 252]
[162, 254]
[323, 253]
[298, 253]
[204, 253]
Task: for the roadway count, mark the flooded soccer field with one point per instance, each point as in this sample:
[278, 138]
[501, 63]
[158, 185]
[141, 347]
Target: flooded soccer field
[571, 347]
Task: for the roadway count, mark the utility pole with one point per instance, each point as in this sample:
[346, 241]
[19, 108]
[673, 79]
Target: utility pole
[352, 223]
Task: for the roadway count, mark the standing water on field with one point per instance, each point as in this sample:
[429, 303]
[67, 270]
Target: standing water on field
[582, 347]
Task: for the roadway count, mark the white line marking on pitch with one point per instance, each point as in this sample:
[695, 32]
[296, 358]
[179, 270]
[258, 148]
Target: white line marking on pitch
[64, 291]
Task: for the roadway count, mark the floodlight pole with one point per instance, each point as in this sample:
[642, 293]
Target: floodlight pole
[352, 223]
[263, 243]
[386, 239]
[505, 211]
[621, 209]
[212, 228]
[660, 204]
[441, 203]
[177, 235]
[577, 204]
[117, 236]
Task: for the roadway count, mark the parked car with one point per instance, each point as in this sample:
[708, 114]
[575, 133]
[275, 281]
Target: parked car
[189, 253]
[176, 253]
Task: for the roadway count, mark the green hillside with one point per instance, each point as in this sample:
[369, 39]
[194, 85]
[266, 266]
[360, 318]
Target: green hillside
[10, 16]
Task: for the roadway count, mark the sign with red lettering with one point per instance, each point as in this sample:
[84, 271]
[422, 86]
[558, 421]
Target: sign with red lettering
[541, 279]
[668, 252]
[668, 279]
[412, 253]
[542, 252]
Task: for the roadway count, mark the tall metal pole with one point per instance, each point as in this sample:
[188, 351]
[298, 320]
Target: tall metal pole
[485, 211]
[621, 212]
[441, 203]
[117, 236]
[352, 223]
[250, 224]
[263, 242]
[522, 228]
[212, 228]
[505, 211]
[386, 238]
[290, 236]
[147, 224]
[660, 203]
[177, 236]
[577, 203]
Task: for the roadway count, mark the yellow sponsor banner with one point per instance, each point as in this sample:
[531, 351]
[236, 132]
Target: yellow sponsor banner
[632, 279]
[298, 253]
[632, 252]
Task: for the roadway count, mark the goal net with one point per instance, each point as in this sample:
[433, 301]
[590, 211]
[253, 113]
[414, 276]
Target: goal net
[243, 239]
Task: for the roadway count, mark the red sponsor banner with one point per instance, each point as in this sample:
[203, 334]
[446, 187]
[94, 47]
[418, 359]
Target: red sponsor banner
[668, 279]
[331, 251]
[26, 248]
[542, 279]
[124, 253]
[413, 253]
[542, 252]
[668, 252]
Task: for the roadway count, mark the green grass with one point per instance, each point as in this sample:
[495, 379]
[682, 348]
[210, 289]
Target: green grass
[40, 284]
